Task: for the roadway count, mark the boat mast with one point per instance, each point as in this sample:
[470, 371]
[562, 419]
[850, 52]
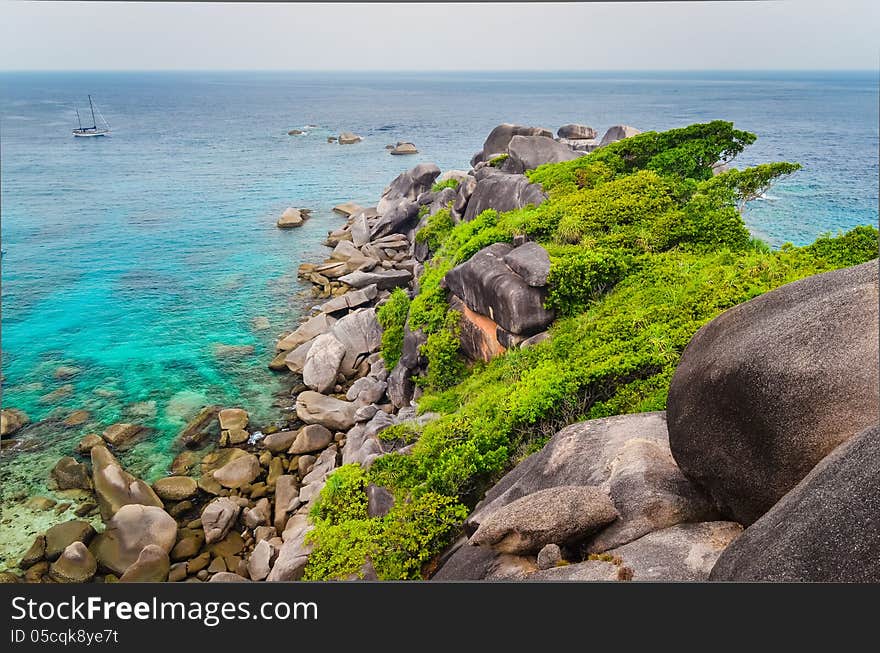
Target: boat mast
[77, 118]
[94, 122]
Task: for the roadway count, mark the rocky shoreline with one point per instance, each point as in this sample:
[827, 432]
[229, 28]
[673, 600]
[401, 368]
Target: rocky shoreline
[620, 498]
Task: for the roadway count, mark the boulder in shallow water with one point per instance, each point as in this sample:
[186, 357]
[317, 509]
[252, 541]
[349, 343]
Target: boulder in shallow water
[151, 566]
[76, 565]
[768, 388]
[68, 474]
[122, 434]
[175, 488]
[349, 138]
[290, 218]
[114, 487]
[825, 530]
[88, 441]
[131, 529]
[60, 536]
[404, 148]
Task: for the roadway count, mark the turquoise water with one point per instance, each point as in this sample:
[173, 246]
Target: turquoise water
[139, 258]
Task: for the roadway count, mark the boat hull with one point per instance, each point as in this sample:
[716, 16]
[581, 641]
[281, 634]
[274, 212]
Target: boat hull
[83, 134]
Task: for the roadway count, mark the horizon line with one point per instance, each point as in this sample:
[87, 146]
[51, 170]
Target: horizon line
[437, 70]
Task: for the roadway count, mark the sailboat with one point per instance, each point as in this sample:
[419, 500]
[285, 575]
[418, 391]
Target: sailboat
[94, 130]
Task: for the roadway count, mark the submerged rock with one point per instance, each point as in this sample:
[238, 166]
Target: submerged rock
[68, 474]
[404, 148]
[770, 387]
[290, 218]
[121, 434]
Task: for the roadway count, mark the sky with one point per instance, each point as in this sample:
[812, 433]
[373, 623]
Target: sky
[787, 34]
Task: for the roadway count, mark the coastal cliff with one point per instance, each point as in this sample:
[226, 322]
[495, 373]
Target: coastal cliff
[560, 364]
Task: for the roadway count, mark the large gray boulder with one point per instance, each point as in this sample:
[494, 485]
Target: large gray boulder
[768, 388]
[334, 414]
[499, 138]
[629, 456]
[313, 327]
[618, 133]
[488, 286]
[502, 192]
[826, 529]
[239, 471]
[409, 185]
[466, 562]
[685, 552]
[399, 217]
[529, 152]
[531, 262]
[322, 362]
[577, 132]
[559, 515]
[382, 279]
[360, 334]
[587, 571]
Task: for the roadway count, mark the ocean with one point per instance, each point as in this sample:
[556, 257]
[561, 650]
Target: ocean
[137, 263]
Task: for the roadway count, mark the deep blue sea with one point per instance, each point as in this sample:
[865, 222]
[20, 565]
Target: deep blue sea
[140, 258]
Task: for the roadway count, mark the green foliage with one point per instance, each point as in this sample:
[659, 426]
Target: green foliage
[646, 245]
[436, 230]
[343, 497]
[496, 161]
[445, 364]
[579, 276]
[854, 247]
[449, 183]
[392, 317]
[398, 544]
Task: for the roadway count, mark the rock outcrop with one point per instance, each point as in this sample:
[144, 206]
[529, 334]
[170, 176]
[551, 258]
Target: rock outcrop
[114, 487]
[768, 388]
[502, 192]
[499, 138]
[826, 529]
[490, 287]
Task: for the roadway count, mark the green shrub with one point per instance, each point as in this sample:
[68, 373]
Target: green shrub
[496, 161]
[449, 183]
[436, 230]
[343, 497]
[445, 363]
[392, 317]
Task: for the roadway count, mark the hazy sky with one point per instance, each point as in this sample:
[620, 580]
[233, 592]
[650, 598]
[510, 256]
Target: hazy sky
[788, 34]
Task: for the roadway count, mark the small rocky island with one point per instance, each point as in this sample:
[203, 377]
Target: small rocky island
[569, 362]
